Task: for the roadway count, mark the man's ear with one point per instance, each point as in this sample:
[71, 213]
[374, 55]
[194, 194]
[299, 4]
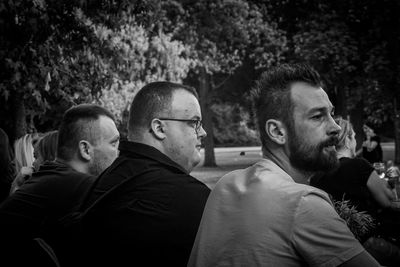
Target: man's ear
[157, 128]
[276, 131]
[85, 150]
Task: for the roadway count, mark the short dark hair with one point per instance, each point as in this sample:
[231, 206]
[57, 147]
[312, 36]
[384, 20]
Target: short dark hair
[152, 100]
[79, 123]
[273, 97]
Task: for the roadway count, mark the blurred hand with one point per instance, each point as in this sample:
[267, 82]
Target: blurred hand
[395, 205]
[26, 171]
[24, 174]
[393, 171]
[365, 143]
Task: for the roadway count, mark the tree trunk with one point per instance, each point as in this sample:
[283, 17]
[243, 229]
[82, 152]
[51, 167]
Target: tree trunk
[396, 133]
[394, 57]
[341, 101]
[19, 116]
[204, 89]
[356, 118]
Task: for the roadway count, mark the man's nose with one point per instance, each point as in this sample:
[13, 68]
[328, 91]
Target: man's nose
[334, 128]
[202, 133]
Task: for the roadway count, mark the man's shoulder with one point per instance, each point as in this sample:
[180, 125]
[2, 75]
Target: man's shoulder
[266, 176]
[262, 168]
[53, 172]
[147, 173]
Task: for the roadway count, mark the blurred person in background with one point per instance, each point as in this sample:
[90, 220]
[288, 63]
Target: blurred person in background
[7, 170]
[45, 149]
[356, 180]
[24, 158]
[371, 147]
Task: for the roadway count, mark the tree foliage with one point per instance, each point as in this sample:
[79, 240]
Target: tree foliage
[224, 34]
[138, 57]
[55, 54]
[59, 53]
[45, 58]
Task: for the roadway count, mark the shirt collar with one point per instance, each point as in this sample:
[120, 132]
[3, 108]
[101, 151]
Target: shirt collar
[134, 149]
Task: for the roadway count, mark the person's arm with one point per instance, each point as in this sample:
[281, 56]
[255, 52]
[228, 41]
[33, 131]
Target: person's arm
[380, 190]
[363, 259]
[370, 143]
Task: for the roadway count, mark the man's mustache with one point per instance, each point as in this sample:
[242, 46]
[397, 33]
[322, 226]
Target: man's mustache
[332, 141]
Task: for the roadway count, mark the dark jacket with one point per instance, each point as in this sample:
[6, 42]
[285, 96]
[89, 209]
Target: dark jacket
[51, 193]
[151, 220]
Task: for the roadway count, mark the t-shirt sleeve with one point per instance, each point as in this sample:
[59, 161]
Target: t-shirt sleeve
[320, 236]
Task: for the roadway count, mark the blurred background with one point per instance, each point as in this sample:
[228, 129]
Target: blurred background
[55, 54]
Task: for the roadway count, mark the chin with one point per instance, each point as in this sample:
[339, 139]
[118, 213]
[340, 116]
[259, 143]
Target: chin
[196, 162]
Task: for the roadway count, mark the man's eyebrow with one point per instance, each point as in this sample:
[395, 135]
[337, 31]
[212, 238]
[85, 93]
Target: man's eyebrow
[115, 138]
[322, 109]
[196, 117]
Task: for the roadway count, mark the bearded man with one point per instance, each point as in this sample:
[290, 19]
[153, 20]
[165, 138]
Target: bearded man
[267, 214]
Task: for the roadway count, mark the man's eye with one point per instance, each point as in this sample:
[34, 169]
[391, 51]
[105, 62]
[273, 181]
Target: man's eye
[317, 117]
[115, 143]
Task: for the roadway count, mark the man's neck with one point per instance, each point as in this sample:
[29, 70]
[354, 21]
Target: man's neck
[281, 159]
[77, 166]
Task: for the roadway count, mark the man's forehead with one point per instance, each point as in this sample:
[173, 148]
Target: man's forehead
[309, 98]
[185, 103]
[107, 126]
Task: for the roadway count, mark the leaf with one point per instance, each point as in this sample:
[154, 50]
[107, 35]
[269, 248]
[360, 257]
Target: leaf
[48, 79]
[360, 223]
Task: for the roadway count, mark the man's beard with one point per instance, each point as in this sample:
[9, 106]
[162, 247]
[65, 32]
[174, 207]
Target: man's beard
[95, 168]
[98, 165]
[312, 158]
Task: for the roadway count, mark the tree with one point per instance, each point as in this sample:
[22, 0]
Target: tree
[223, 35]
[355, 46]
[139, 57]
[45, 59]
[59, 53]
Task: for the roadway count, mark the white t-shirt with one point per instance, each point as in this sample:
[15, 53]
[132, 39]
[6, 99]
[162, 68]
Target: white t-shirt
[260, 217]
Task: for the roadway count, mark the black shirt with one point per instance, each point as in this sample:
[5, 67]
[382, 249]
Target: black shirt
[374, 155]
[151, 220]
[349, 182]
[52, 192]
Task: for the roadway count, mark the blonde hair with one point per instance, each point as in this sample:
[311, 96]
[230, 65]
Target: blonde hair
[23, 149]
[346, 131]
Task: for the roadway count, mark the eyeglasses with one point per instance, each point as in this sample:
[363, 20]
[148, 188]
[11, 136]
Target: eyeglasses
[196, 123]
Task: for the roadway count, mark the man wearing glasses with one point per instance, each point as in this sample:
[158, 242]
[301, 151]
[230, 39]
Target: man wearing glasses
[150, 207]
